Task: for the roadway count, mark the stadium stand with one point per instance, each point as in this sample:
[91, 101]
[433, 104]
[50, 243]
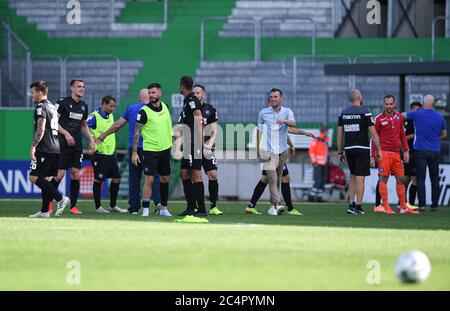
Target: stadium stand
[287, 18]
[240, 89]
[236, 83]
[100, 77]
[97, 20]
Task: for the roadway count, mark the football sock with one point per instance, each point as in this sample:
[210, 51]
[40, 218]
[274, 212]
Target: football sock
[113, 192]
[199, 193]
[412, 194]
[97, 191]
[46, 199]
[286, 191]
[384, 194]
[48, 189]
[377, 194]
[401, 195]
[257, 193]
[74, 191]
[188, 189]
[164, 191]
[213, 187]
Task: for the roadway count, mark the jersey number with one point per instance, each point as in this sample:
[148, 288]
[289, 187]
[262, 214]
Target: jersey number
[81, 158]
[54, 125]
[33, 165]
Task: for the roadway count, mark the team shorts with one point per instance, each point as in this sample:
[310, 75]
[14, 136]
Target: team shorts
[156, 162]
[105, 166]
[70, 157]
[391, 163]
[358, 161]
[46, 164]
[189, 161]
[209, 163]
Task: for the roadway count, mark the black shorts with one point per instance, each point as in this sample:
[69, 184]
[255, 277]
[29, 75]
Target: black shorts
[46, 164]
[358, 160]
[191, 163]
[285, 171]
[70, 157]
[209, 163]
[410, 167]
[105, 166]
[156, 162]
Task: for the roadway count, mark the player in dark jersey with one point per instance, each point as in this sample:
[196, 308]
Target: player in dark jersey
[410, 170]
[73, 114]
[210, 120]
[354, 124]
[190, 128]
[44, 152]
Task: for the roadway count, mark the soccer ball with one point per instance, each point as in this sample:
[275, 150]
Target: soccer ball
[412, 267]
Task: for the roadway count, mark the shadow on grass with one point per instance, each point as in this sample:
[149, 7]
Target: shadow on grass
[321, 215]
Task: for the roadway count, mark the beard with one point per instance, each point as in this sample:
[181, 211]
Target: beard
[153, 100]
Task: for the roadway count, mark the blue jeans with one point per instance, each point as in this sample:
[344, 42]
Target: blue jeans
[430, 159]
[134, 184]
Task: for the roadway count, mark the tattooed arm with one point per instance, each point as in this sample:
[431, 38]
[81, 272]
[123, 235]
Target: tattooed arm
[137, 134]
[40, 130]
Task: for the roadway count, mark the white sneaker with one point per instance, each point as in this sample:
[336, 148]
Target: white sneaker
[117, 209]
[134, 213]
[272, 211]
[101, 210]
[40, 215]
[61, 206]
[165, 212]
[145, 212]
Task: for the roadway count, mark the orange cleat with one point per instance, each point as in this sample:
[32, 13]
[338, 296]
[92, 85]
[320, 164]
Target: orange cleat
[388, 210]
[409, 211]
[50, 208]
[378, 209]
[75, 211]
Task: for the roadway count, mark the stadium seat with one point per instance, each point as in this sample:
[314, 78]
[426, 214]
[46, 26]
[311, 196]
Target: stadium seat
[240, 89]
[95, 18]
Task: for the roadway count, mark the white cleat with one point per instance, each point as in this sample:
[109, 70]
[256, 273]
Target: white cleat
[272, 211]
[165, 212]
[40, 215]
[101, 210]
[61, 206]
[145, 212]
[117, 209]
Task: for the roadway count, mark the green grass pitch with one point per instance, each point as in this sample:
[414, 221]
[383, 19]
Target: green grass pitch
[323, 250]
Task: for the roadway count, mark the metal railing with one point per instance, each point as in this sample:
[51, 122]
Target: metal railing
[99, 56]
[61, 69]
[296, 20]
[410, 58]
[219, 18]
[112, 12]
[433, 34]
[298, 57]
[258, 32]
[18, 74]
